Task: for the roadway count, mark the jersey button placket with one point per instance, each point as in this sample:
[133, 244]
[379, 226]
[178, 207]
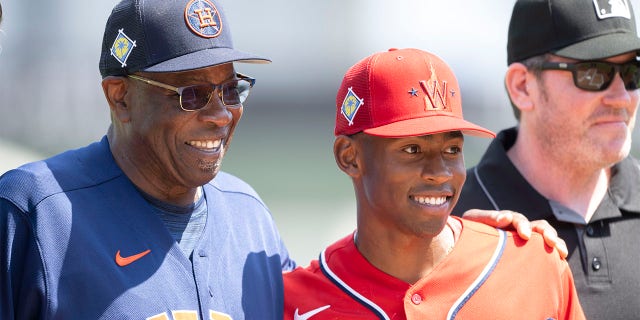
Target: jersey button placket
[596, 264]
[590, 231]
[416, 299]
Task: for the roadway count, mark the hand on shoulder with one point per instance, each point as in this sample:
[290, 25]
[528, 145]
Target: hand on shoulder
[510, 220]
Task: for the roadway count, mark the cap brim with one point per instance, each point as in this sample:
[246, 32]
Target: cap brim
[429, 125]
[205, 58]
[601, 47]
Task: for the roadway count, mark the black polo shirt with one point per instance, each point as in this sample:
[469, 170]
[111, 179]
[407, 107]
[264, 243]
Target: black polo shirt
[604, 254]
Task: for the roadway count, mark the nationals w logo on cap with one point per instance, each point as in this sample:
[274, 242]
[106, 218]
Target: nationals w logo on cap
[435, 99]
[401, 93]
[612, 8]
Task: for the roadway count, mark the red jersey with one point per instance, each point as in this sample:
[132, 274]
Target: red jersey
[489, 274]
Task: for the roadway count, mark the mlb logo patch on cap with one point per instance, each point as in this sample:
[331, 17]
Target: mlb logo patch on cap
[612, 8]
[575, 29]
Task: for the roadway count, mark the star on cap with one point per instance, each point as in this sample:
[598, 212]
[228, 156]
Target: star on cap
[413, 92]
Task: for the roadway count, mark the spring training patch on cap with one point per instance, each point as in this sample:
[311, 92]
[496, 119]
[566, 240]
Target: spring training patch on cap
[122, 47]
[203, 18]
[612, 8]
[350, 105]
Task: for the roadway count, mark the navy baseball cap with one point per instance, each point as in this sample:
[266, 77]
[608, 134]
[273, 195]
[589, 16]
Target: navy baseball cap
[168, 36]
[576, 29]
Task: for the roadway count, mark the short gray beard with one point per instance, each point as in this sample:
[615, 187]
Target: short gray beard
[209, 166]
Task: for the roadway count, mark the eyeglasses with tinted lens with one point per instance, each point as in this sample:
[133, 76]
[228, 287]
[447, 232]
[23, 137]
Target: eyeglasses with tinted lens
[232, 92]
[598, 75]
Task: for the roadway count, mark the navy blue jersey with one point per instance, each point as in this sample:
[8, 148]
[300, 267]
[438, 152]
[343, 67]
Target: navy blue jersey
[78, 241]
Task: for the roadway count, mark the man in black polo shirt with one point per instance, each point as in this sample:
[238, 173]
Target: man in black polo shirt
[573, 81]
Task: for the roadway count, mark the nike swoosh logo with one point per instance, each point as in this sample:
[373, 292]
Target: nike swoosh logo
[125, 261]
[309, 314]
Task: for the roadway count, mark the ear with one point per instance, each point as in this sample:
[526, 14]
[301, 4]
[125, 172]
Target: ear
[345, 152]
[115, 89]
[519, 83]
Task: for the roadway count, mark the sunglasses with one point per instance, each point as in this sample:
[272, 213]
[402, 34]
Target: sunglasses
[598, 75]
[232, 92]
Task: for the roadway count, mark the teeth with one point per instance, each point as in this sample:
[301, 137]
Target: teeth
[207, 144]
[432, 201]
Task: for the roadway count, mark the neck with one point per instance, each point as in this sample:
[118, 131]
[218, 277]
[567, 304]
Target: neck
[406, 257]
[576, 186]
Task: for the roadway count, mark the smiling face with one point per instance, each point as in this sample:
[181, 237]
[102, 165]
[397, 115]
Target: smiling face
[171, 148]
[411, 184]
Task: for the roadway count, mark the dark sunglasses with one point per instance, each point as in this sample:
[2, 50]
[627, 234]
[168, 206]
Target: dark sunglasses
[598, 75]
[232, 92]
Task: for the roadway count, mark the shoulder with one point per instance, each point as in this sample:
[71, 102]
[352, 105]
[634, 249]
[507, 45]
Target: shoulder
[232, 193]
[633, 160]
[308, 290]
[237, 208]
[228, 183]
[307, 285]
[512, 254]
[303, 275]
[475, 234]
[76, 169]
[628, 164]
[535, 246]
[340, 253]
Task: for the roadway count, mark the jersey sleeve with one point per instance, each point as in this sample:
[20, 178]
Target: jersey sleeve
[288, 264]
[22, 285]
[571, 301]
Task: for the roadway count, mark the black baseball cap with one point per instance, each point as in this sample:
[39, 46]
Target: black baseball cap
[577, 29]
[168, 36]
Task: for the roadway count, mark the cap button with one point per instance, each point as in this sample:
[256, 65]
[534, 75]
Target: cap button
[392, 49]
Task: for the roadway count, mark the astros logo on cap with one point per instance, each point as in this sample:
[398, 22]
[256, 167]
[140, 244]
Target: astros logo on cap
[203, 18]
[350, 105]
[122, 47]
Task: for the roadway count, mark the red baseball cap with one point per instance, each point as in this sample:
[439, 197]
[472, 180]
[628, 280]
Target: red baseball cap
[401, 93]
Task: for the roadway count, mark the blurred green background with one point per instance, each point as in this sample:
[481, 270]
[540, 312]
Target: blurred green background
[51, 99]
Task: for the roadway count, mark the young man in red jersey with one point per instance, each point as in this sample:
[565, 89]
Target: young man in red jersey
[399, 136]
